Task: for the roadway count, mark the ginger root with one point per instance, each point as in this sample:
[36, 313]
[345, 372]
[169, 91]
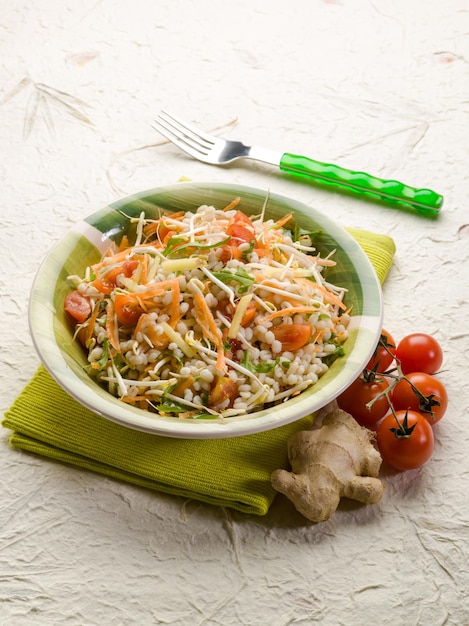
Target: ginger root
[334, 461]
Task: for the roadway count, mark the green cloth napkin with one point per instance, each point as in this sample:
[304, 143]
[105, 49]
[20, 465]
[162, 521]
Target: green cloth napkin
[233, 472]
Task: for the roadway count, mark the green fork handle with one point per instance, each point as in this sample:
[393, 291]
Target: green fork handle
[423, 200]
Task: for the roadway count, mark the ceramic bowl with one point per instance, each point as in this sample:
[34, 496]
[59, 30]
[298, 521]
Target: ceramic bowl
[84, 244]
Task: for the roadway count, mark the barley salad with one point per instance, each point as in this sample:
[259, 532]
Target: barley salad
[209, 313]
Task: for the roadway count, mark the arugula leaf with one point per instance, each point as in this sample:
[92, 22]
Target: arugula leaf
[169, 406]
[247, 252]
[330, 358]
[205, 416]
[301, 232]
[260, 368]
[176, 244]
[105, 355]
[173, 243]
[240, 276]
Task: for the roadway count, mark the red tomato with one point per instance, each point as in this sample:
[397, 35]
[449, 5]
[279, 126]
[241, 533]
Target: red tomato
[421, 392]
[224, 389]
[405, 442]
[128, 310]
[384, 353]
[78, 306]
[108, 281]
[355, 398]
[129, 266]
[292, 336]
[419, 353]
[240, 232]
[241, 217]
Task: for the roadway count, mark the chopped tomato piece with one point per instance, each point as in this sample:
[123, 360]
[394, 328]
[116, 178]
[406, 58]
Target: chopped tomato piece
[292, 336]
[240, 232]
[224, 389]
[241, 217]
[108, 281]
[78, 306]
[128, 310]
[129, 266]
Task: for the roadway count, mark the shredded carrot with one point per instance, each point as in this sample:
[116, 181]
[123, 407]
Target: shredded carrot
[221, 361]
[175, 311]
[289, 311]
[91, 322]
[124, 244]
[331, 297]
[182, 386]
[157, 341]
[206, 321]
[111, 325]
[234, 203]
[144, 270]
[281, 222]
[139, 325]
[158, 289]
[116, 257]
[140, 401]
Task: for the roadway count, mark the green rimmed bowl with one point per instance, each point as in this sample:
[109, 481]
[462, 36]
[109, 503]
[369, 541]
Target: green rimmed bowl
[84, 245]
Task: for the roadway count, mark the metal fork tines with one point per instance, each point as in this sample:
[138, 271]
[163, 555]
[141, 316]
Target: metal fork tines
[205, 147]
[184, 136]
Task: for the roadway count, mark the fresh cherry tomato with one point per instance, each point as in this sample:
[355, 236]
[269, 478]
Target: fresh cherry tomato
[384, 353]
[78, 306]
[419, 352]
[355, 398]
[292, 336]
[405, 441]
[128, 310]
[421, 392]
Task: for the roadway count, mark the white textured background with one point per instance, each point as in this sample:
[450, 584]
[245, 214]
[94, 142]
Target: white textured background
[374, 85]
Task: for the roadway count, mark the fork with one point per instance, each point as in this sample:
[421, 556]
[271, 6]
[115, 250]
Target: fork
[216, 151]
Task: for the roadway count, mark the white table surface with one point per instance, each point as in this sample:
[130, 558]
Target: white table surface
[378, 86]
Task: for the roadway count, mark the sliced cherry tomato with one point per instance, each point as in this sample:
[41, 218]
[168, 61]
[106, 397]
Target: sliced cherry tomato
[241, 217]
[421, 392]
[78, 306]
[107, 282]
[127, 309]
[384, 353]
[419, 352]
[405, 441]
[224, 389]
[240, 232]
[292, 336]
[354, 400]
[129, 266]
